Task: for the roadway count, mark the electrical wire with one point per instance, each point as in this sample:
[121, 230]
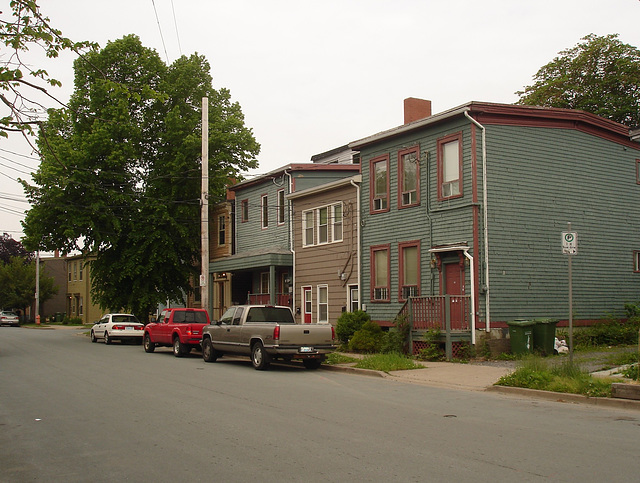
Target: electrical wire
[160, 29]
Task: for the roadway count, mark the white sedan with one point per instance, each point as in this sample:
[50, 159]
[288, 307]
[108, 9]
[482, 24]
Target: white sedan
[9, 318]
[122, 327]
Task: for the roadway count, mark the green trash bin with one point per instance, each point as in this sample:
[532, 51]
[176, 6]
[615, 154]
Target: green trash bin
[521, 335]
[544, 336]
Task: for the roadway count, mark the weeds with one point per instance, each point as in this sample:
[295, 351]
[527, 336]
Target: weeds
[387, 362]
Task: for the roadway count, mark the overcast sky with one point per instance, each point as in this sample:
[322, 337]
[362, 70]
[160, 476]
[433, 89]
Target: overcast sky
[314, 75]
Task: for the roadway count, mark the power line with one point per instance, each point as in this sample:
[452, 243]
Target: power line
[160, 29]
[175, 23]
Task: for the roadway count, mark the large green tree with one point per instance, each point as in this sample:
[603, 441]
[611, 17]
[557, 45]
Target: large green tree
[120, 173]
[18, 284]
[600, 75]
[25, 90]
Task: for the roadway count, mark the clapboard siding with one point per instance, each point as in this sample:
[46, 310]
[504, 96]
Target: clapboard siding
[539, 179]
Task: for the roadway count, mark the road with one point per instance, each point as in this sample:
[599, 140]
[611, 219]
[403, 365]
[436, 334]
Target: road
[74, 411]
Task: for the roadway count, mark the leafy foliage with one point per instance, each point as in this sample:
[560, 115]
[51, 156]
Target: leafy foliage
[10, 248]
[18, 284]
[367, 339]
[23, 90]
[600, 75]
[348, 323]
[607, 333]
[120, 172]
[433, 350]
[387, 363]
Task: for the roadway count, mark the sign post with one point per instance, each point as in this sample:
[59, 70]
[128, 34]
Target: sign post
[570, 247]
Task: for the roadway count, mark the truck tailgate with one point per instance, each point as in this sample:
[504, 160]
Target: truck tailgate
[306, 335]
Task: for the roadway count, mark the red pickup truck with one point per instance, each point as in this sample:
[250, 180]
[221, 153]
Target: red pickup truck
[180, 328]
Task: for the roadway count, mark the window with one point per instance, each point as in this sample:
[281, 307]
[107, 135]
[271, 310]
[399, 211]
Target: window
[638, 171]
[281, 206]
[244, 211]
[409, 177]
[323, 304]
[69, 267]
[337, 223]
[409, 270]
[307, 228]
[80, 304]
[75, 271]
[323, 225]
[265, 211]
[379, 184]
[353, 298]
[80, 270]
[380, 274]
[264, 283]
[450, 166]
[636, 261]
[222, 230]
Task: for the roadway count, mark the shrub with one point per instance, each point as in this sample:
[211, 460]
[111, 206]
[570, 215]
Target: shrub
[368, 339]
[433, 350]
[608, 333]
[350, 322]
[397, 339]
[387, 363]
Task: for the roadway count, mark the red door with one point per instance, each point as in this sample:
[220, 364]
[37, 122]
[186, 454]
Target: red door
[307, 305]
[453, 281]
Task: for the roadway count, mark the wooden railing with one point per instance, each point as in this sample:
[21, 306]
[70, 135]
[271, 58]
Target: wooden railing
[431, 312]
[265, 299]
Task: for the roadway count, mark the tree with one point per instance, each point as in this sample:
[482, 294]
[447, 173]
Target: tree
[120, 172]
[600, 75]
[10, 248]
[18, 284]
[23, 89]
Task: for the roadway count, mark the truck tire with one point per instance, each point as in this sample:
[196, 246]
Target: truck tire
[147, 344]
[259, 357]
[209, 354]
[178, 347]
[312, 364]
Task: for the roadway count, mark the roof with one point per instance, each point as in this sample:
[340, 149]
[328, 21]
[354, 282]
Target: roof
[492, 113]
[292, 168]
[325, 187]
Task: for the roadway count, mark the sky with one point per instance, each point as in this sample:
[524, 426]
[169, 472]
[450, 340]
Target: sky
[312, 75]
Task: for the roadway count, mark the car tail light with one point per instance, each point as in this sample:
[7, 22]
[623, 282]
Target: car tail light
[138, 328]
[118, 327]
[189, 331]
[276, 332]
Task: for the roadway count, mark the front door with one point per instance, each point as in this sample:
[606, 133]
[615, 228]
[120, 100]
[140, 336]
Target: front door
[307, 304]
[454, 273]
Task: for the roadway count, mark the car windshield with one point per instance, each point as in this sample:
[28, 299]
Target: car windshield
[124, 318]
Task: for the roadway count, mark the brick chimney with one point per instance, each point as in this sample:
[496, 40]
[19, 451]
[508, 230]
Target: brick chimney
[415, 109]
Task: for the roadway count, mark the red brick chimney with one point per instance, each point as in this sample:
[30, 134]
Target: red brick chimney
[415, 109]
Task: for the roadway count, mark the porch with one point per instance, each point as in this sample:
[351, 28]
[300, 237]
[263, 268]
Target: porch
[265, 299]
[449, 314]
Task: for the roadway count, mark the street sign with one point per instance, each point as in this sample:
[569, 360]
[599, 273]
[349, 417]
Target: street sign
[569, 242]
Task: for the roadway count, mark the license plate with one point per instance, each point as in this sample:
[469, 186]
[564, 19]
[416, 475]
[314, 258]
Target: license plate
[306, 350]
[128, 328]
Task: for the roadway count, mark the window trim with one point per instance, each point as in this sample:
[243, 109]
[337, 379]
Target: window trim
[333, 223]
[327, 225]
[305, 228]
[401, 154]
[636, 261]
[637, 171]
[401, 273]
[222, 230]
[244, 211]
[441, 142]
[372, 183]
[281, 217]
[319, 303]
[372, 251]
[264, 211]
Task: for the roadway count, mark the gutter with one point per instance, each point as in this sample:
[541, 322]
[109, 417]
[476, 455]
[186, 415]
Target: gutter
[357, 187]
[485, 222]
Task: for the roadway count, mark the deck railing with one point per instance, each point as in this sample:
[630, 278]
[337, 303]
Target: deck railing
[265, 299]
[431, 312]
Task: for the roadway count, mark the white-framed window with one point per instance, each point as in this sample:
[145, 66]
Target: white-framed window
[323, 304]
[80, 270]
[222, 230]
[409, 270]
[264, 204]
[450, 166]
[354, 296]
[636, 261]
[379, 173]
[380, 280]
[409, 175]
[281, 207]
[323, 225]
[307, 228]
[336, 219]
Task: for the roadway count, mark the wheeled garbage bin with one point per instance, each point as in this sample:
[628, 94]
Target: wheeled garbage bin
[521, 335]
[544, 336]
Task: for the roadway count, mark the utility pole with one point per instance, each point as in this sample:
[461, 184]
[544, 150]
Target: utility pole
[204, 215]
[37, 287]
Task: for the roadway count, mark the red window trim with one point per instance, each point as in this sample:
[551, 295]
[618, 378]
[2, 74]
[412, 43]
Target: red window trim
[401, 247]
[401, 153]
[372, 251]
[372, 181]
[442, 141]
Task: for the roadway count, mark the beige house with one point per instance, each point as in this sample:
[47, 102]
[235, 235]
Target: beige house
[79, 300]
[326, 250]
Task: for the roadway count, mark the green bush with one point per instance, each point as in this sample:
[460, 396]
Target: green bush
[72, 321]
[368, 339]
[387, 363]
[433, 350]
[608, 333]
[397, 339]
[348, 323]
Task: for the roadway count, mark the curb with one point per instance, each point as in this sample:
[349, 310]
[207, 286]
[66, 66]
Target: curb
[353, 370]
[567, 398]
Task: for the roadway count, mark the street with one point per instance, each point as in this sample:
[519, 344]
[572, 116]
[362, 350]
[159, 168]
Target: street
[74, 411]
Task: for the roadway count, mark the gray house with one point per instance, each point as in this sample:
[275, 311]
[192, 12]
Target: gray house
[465, 208]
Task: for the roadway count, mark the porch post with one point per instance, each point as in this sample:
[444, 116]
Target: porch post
[272, 284]
[447, 325]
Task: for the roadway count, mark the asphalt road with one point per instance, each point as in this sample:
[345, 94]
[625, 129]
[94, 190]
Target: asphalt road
[74, 411]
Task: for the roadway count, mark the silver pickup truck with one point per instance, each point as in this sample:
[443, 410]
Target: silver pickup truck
[266, 333]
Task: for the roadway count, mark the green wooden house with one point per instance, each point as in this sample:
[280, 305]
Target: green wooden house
[462, 215]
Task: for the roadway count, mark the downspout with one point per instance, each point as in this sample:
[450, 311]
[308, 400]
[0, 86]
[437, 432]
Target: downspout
[473, 297]
[485, 220]
[357, 187]
[291, 245]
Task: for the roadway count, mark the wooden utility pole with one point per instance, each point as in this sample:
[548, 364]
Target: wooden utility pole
[204, 215]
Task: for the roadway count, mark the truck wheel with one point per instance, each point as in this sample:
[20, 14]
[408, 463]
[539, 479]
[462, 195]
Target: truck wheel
[178, 347]
[107, 340]
[93, 337]
[209, 354]
[147, 344]
[259, 357]
[312, 363]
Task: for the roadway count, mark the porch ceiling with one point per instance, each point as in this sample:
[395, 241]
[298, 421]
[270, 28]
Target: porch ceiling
[251, 260]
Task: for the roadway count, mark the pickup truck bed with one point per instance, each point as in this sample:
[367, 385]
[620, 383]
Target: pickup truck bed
[266, 333]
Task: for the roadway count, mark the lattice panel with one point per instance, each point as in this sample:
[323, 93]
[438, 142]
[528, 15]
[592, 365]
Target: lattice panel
[458, 349]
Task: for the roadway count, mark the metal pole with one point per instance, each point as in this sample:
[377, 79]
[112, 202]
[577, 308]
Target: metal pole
[570, 307]
[204, 214]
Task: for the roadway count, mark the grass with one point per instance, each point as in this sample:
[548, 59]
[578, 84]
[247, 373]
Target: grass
[536, 373]
[377, 362]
